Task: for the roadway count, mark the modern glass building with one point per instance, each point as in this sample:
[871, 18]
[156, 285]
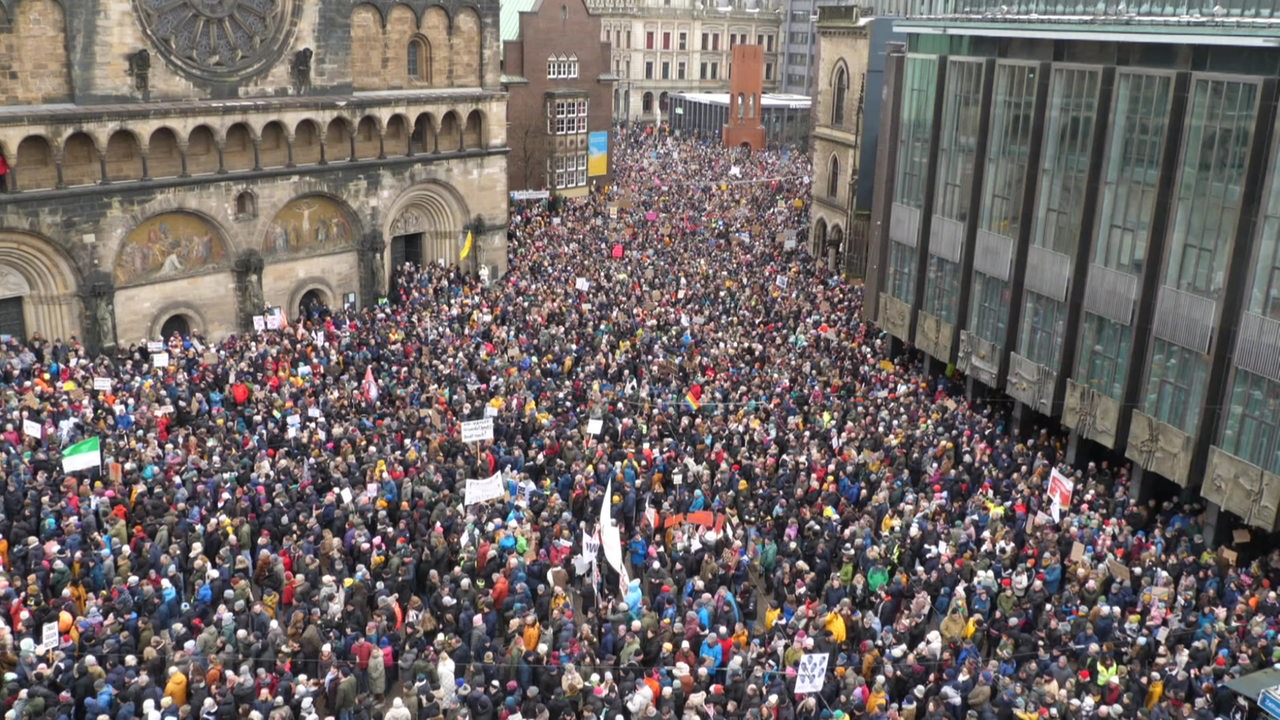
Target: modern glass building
[1081, 208]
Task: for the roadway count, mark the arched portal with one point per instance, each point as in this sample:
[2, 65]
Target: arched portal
[426, 226]
[38, 286]
[177, 324]
[835, 248]
[314, 303]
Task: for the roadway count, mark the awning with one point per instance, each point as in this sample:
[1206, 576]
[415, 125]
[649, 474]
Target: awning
[1253, 684]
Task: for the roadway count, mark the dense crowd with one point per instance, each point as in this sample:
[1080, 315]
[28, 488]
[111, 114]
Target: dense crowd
[278, 529]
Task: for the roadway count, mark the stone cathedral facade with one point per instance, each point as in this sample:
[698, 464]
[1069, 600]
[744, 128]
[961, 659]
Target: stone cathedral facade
[183, 164]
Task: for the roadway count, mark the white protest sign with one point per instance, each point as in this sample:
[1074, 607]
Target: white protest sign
[782, 281]
[812, 673]
[102, 383]
[479, 491]
[582, 284]
[293, 421]
[155, 346]
[274, 321]
[160, 360]
[259, 323]
[49, 636]
[313, 412]
[31, 428]
[595, 425]
[490, 411]
[477, 430]
[1060, 489]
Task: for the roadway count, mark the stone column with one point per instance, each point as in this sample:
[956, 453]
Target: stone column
[99, 301]
[371, 254]
[249, 296]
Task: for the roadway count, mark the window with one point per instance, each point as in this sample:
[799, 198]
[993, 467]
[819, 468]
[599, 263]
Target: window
[562, 67]
[246, 206]
[646, 103]
[1131, 173]
[1012, 118]
[567, 171]
[942, 289]
[683, 41]
[768, 71]
[902, 271]
[915, 145]
[798, 38]
[567, 117]
[715, 41]
[1073, 103]
[1043, 323]
[706, 41]
[1104, 355]
[680, 70]
[666, 70]
[702, 73]
[648, 70]
[833, 177]
[666, 41]
[798, 59]
[1176, 387]
[648, 40]
[957, 156]
[419, 60]
[715, 71]
[629, 46]
[839, 95]
[1219, 130]
[768, 42]
[1252, 430]
[990, 308]
[760, 40]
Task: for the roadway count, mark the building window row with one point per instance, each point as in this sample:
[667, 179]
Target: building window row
[710, 71]
[567, 171]
[562, 67]
[567, 117]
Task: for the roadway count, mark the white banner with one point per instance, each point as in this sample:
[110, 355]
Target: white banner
[479, 491]
[590, 547]
[477, 430]
[812, 673]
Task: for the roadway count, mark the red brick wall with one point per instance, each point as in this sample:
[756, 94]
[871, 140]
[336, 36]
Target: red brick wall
[746, 88]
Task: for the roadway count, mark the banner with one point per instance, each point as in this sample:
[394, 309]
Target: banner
[812, 673]
[477, 430]
[598, 153]
[610, 537]
[490, 488]
[1060, 489]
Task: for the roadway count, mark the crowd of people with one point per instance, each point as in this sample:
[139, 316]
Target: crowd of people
[279, 527]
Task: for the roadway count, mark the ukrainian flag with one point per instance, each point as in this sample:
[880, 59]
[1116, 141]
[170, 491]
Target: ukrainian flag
[466, 248]
[691, 402]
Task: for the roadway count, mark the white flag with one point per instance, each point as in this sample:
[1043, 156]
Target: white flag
[610, 538]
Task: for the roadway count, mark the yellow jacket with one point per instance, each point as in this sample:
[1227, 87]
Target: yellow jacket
[835, 623]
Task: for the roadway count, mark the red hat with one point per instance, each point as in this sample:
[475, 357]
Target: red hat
[1084, 675]
[1006, 582]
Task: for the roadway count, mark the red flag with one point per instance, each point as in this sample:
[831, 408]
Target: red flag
[370, 385]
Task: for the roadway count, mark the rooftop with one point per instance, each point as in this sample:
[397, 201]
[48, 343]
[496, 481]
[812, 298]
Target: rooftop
[767, 100]
[510, 17]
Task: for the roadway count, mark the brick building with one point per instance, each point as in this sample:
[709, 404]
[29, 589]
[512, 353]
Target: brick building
[175, 168]
[557, 71]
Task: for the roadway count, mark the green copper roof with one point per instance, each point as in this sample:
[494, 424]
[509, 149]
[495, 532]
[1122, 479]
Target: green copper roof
[511, 10]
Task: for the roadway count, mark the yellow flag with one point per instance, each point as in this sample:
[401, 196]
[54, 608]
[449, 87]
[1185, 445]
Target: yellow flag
[466, 247]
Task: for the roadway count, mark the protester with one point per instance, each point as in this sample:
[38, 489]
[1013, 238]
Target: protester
[277, 529]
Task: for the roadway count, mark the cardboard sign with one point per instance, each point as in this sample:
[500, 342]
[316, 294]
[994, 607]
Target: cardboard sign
[1240, 537]
[1077, 552]
[115, 472]
[102, 383]
[477, 430]
[1118, 570]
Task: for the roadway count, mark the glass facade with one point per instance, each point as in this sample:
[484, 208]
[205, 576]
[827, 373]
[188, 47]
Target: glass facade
[915, 146]
[1105, 348]
[1175, 389]
[1131, 179]
[1219, 133]
[1008, 158]
[1264, 295]
[1252, 430]
[1211, 184]
[1064, 180]
[957, 158]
